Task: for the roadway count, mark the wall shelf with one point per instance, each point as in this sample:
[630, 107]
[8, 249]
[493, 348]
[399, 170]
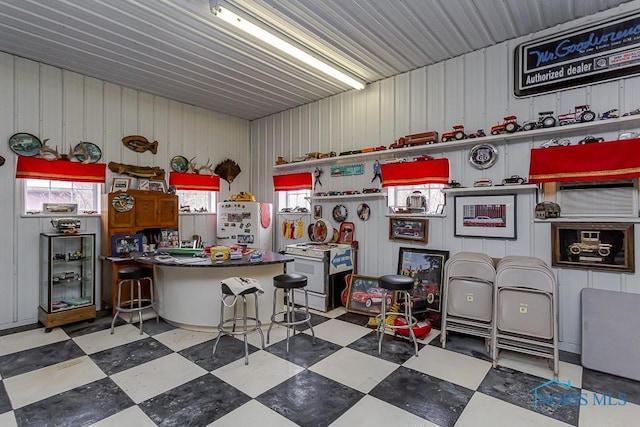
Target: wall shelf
[619, 124]
[492, 190]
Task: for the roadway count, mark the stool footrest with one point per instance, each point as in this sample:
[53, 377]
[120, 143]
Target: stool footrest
[304, 319]
[228, 324]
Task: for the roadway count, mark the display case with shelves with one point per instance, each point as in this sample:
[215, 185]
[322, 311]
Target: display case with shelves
[67, 278]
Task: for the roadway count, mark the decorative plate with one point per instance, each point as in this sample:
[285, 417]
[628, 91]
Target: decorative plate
[340, 213]
[123, 202]
[25, 144]
[322, 231]
[179, 164]
[95, 153]
[363, 211]
[483, 156]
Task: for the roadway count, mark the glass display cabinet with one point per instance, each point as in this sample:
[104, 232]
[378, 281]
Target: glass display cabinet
[67, 278]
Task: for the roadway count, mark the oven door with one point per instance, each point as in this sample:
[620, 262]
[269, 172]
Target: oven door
[317, 272]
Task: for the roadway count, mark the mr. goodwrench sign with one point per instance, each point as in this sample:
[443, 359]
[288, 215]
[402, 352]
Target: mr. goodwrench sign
[603, 51]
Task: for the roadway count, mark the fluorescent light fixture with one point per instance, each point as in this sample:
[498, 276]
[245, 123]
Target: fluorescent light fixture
[278, 43]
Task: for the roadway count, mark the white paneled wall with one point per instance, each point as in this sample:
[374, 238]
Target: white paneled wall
[475, 90]
[67, 108]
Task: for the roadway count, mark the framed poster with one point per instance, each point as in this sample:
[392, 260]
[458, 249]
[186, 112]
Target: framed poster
[599, 246]
[426, 267]
[365, 296]
[485, 216]
[123, 244]
[409, 229]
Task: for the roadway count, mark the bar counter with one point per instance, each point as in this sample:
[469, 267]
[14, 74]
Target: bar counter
[187, 289]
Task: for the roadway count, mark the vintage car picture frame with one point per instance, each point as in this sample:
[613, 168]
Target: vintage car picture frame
[597, 246]
[409, 229]
[486, 216]
[365, 296]
[426, 266]
[123, 244]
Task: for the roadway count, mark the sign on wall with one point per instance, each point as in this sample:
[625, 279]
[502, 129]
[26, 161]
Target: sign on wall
[604, 51]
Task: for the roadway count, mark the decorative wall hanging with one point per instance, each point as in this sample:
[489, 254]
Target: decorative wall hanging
[483, 156]
[347, 170]
[317, 173]
[2, 160]
[90, 154]
[179, 164]
[317, 211]
[123, 202]
[377, 171]
[409, 229]
[364, 211]
[25, 144]
[195, 167]
[49, 153]
[228, 170]
[154, 172]
[140, 144]
[340, 213]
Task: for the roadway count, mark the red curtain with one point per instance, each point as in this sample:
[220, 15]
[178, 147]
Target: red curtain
[435, 171]
[192, 181]
[293, 181]
[60, 170]
[586, 162]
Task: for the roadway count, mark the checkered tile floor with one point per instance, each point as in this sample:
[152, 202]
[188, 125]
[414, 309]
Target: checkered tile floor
[80, 375]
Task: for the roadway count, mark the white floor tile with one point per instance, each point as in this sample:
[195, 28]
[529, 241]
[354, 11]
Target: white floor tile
[339, 332]
[354, 369]
[263, 372]
[447, 365]
[45, 382]
[253, 338]
[103, 340]
[157, 376]
[338, 311]
[433, 334]
[539, 366]
[133, 416]
[179, 339]
[486, 411]
[8, 420]
[278, 333]
[372, 412]
[253, 413]
[30, 339]
[620, 414]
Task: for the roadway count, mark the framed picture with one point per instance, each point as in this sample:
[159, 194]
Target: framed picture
[168, 238]
[120, 184]
[426, 266]
[365, 296]
[485, 216]
[158, 185]
[143, 184]
[411, 229]
[599, 246]
[123, 244]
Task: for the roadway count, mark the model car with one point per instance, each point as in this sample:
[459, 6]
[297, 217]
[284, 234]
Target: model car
[371, 190]
[513, 179]
[334, 193]
[327, 155]
[509, 125]
[453, 184]
[406, 230]
[477, 134]
[482, 182]
[628, 135]
[545, 120]
[281, 161]
[482, 220]
[320, 194]
[610, 114]
[632, 112]
[581, 114]
[370, 296]
[416, 139]
[457, 133]
[423, 157]
[350, 192]
[589, 139]
[553, 142]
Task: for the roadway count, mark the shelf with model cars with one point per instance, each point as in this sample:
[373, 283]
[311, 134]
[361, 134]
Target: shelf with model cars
[492, 189]
[349, 195]
[625, 124]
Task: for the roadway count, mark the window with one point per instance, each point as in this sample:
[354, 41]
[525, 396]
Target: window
[293, 199]
[196, 201]
[39, 191]
[433, 196]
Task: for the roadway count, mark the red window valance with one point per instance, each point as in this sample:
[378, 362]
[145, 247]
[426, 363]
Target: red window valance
[60, 170]
[586, 162]
[192, 181]
[435, 171]
[293, 181]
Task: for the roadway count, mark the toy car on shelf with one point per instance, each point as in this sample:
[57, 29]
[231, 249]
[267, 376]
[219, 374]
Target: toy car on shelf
[609, 114]
[545, 120]
[453, 184]
[457, 133]
[513, 180]
[372, 149]
[423, 157]
[628, 135]
[632, 112]
[281, 161]
[423, 138]
[589, 139]
[334, 193]
[327, 155]
[350, 192]
[320, 194]
[553, 142]
[477, 134]
[371, 190]
[509, 125]
[482, 182]
[581, 114]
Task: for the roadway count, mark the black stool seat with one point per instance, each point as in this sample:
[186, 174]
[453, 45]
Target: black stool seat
[290, 281]
[227, 291]
[132, 273]
[396, 282]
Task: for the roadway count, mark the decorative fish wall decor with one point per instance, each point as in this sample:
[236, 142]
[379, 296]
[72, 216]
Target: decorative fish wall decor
[227, 170]
[140, 144]
[137, 171]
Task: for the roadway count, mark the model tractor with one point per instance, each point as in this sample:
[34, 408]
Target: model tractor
[581, 114]
[509, 125]
[590, 243]
[457, 133]
[545, 120]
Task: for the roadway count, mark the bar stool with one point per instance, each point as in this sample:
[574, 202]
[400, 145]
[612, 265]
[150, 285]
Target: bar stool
[134, 277]
[390, 284]
[228, 326]
[289, 282]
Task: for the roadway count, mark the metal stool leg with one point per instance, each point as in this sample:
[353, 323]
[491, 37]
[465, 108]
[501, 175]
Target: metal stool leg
[115, 316]
[409, 319]
[259, 324]
[273, 315]
[220, 325]
[140, 303]
[383, 321]
[244, 328]
[306, 305]
[288, 307]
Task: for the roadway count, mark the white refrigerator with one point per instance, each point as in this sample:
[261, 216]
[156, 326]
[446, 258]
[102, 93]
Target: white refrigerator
[245, 223]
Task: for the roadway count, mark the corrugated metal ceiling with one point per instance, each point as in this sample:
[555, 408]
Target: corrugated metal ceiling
[177, 49]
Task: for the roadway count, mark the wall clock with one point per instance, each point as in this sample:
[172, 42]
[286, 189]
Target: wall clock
[123, 202]
[483, 156]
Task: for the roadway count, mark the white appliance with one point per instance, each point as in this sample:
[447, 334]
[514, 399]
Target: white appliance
[245, 223]
[292, 227]
[325, 265]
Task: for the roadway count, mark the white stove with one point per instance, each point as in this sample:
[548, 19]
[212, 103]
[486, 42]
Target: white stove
[325, 265]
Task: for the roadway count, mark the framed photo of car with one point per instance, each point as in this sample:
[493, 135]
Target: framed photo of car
[365, 296]
[426, 267]
[485, 216]
[594, 246]
[409, 229]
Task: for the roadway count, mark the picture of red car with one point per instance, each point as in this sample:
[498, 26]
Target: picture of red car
[370, 296]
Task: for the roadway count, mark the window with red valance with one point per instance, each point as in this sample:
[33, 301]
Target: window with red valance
[434, 171]
[293, 181]
[60, 170]
[194, 182]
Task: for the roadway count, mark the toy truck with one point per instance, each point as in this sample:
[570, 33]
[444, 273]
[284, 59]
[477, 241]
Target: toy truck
[509, 125]
[581, 114]
[428, 137]
[457, 133]
[590, 243]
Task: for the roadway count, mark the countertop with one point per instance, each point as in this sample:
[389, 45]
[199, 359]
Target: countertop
[268, 257]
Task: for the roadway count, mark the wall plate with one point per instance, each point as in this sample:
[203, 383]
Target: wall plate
[483, 156]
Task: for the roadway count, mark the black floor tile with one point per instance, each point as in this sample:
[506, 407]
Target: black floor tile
[395, 349]
[129, 355]
[465, 344]
[39, 357]
[101, 323]
[5, 403]
[602, 383]
[81, 406]
[229, 350]
[568, 357]
[431, 398]
[316, 320]
[309, 399]
[150, 327]
[525, 391]
[356, 319]
[196, 403]
[302, 351]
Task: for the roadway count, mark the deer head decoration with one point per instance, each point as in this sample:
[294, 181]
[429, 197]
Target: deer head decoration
[198, 168]
[46, 152]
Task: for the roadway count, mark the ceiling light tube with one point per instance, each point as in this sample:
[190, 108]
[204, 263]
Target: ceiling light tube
[278, 43]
